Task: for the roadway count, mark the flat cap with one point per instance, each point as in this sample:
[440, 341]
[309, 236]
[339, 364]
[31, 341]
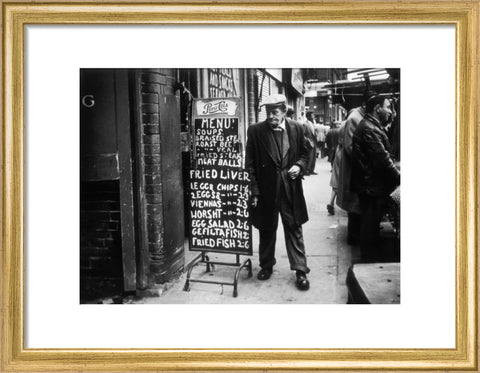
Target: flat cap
[368, 94]
[274, 100]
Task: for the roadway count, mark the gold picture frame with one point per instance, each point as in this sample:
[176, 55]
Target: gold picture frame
[464, 15]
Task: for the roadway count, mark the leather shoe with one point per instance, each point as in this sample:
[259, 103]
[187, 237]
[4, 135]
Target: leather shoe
[264, 274]
[330, 209]
[302, 281]
[353, 240]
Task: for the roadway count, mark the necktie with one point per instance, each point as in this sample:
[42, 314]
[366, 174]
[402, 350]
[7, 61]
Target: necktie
[275, 127]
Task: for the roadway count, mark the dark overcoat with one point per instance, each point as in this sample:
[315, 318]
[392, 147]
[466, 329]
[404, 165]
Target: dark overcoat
[373, 171]
[268, 171]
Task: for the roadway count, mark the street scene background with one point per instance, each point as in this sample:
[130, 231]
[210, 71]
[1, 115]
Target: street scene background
[136, 155]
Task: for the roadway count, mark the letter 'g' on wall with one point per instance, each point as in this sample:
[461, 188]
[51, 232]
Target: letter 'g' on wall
[88, 101]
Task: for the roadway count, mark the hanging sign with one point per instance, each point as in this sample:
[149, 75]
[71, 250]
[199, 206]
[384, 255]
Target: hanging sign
[219, 184]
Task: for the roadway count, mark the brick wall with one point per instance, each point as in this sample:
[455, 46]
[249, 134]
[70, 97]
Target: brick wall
[164, 262]
[100, 238]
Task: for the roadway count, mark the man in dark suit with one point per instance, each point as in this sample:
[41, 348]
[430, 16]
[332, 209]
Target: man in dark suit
[311, 142]
[374, 173]
[276, 158]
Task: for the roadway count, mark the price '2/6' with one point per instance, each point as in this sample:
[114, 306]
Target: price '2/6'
[242, 213]
[242, 224]
[243, 244]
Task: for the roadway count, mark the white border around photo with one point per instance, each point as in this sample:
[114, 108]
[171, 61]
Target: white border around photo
[426, 316]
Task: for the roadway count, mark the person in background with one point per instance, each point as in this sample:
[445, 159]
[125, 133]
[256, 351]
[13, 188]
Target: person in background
[311, 143]
[320, 136]
[374, 175]
[317, 125]
[331, 141]
[337, 133]
[276, 157]
[346, 198]
[301, 118]
[290, 113]
[394, 130]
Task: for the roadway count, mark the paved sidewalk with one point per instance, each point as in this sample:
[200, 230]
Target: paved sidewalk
[328, 257]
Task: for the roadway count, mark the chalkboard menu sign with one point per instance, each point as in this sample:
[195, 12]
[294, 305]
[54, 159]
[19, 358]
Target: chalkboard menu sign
[219, 184]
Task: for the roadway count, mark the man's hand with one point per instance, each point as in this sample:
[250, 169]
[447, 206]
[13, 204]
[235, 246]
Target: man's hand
[254, 201]
[294, 172]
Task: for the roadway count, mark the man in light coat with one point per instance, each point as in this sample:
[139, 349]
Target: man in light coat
[346, 198]
[321, 134]
[276, 158]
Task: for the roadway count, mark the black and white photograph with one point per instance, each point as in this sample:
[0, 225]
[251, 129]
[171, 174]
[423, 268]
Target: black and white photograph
[240, 185]
[186, 186]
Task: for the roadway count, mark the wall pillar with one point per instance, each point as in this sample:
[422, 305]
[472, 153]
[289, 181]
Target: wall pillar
[162, 175]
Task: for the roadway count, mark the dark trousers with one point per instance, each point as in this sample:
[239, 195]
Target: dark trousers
[373, 209]
[293, 240]
[353, 228]
[321, 146]
[312, 159]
